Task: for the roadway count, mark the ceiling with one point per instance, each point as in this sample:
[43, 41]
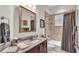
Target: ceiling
[50, 7]
[54, 9]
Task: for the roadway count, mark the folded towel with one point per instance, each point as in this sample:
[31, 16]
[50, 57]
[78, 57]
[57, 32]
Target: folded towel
[11, 49]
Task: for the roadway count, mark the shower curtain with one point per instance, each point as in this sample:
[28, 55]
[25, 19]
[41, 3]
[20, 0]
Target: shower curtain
[68, 38]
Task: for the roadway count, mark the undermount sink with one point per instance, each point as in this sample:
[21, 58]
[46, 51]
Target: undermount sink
[23, 44]
[30, 41]
[26, 43]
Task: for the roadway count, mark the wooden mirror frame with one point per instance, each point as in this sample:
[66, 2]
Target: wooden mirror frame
[20, 20]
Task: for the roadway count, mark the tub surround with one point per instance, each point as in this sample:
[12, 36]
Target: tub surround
[27, 45]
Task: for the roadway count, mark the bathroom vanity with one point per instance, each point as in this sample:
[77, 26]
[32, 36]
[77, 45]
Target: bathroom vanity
[40, 48]
[37, 45]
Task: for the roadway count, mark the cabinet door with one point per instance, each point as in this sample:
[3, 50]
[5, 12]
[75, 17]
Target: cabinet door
[43, 47]
[33, 50]
[40, 48]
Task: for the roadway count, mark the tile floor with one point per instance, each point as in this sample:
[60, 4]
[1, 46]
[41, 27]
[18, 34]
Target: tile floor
[54, 47]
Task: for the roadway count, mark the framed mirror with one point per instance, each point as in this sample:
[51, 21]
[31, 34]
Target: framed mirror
[27, 20]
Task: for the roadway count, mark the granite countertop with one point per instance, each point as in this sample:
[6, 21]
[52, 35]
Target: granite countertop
[29, 44]
[32, 45]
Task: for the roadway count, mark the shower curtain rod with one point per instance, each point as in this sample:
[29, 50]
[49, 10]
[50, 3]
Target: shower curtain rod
[70, 11]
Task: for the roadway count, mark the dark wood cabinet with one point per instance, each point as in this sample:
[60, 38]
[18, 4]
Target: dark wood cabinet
[41, 48]
[33, 50]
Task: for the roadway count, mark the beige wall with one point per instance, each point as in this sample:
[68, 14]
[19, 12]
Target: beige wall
[11, 12]
[16, 26]
[58, 33]
[54, 32]
[49, 22]
[8, 12]
[39, 15]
